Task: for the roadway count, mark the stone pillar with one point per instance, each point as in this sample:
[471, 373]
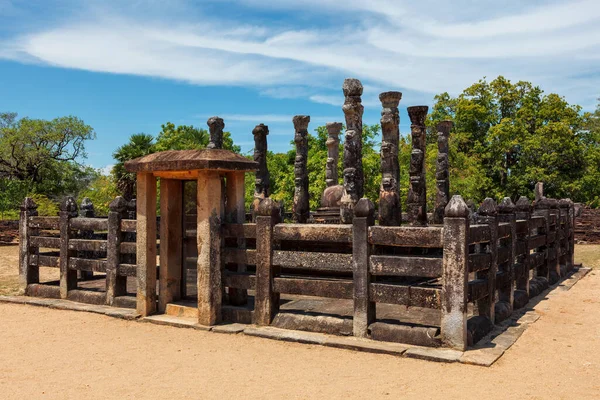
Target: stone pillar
[571, 237]
[542, 209]
[442, 174]
[146, 243]
[86, 210]
[522, 277]
[27, 273]
[488, 215]
[115, 285]
[417, 192]
[506, 214]
[390, 213]
[333, 153]
[455, 274]
[539, 191]
[210, 284]
[563, 244]
[235, 213]
[261, 185]
[353, 170]
[266, 302]
[171, 237]
[364, 309]
[554, 247]
[301, 205]
[68, 277]
[215, 127]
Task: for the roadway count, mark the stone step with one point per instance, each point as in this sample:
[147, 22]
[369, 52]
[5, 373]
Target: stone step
[184, 309]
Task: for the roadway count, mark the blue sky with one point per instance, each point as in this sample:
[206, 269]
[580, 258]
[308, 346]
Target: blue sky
[129, 66]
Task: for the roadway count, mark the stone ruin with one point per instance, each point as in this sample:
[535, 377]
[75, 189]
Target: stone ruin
[363, 271]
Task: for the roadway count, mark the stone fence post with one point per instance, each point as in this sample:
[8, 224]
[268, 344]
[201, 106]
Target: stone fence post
[68, 277]
[364, 309]
[455, 274]
[554, 247]
[506, 214]
[542, 209]
[488, 215]
[86, 210]
[115, 285]
[266, 302]
[522, 276]
[27, 273]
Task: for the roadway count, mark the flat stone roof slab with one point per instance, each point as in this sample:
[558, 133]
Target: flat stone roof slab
[188, 160]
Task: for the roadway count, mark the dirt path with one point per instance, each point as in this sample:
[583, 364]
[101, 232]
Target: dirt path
[55, 354]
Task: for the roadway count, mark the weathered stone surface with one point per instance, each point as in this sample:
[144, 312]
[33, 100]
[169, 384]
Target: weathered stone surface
[431, 354]
[407, 334]
[229, 328]
[417, 192]
[502, 311]
[520, 299]
[369, 346]
[482, 357]
[262, 178]
[301, 209]
[353, 170]
[285, 335]
[332, 196]
[313, 323]
[390, 213]
[187, 160]
[215, 127]
[442, 174]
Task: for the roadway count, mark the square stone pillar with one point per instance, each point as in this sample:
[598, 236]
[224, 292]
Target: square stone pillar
[171, 238]
[146, 243]
[210, 287]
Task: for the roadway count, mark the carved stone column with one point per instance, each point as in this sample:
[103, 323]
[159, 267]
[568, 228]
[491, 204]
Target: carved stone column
[442, 175]
[215, 127]
[417, 192]
[390, 213]
[333, 153]
[353, 171]
[261, 183]
[301, 205]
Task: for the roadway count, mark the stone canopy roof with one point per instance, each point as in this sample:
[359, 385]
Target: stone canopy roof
[188, 160]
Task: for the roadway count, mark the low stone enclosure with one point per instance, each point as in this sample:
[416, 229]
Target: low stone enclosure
[442, 279]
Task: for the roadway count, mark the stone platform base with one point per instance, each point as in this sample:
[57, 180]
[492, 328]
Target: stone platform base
[485, 353]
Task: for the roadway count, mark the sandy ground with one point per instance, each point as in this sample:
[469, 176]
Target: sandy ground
[53, 354]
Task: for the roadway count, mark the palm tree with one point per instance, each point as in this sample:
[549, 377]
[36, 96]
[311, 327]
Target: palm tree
[140, 144]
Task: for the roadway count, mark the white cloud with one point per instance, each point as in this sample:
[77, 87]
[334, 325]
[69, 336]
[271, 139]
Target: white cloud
[399, 45]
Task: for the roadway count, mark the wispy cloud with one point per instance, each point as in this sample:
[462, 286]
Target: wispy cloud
[397, 45]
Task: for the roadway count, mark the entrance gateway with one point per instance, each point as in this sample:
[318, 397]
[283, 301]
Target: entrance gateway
[219, 197]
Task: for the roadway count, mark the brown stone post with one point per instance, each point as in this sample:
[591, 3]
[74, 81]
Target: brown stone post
[417, 192]
[364, 309]
[68, 277]
[571, 256]
[353, 170]
[210, 284]
[523, 214]
[488, 215]
[506, 214]
[115, 285]
[27, 273]
[215, 127]
[266, 302]
[86, 210]
[564, 243]
[442, 175]
[554, 248]
[301, 197]
[261, 183]
[333, 153]
[542, 209]
[171, 237]
[146, 243]
[235, 213]
[390, 213]
[539, 191]
[455, 274]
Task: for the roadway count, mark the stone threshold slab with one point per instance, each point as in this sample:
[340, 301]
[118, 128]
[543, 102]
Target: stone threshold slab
[485, 353]
[60, 304]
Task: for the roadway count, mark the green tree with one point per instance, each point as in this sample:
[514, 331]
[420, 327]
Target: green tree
[46, 154]
[101, 191]
[139, 145]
